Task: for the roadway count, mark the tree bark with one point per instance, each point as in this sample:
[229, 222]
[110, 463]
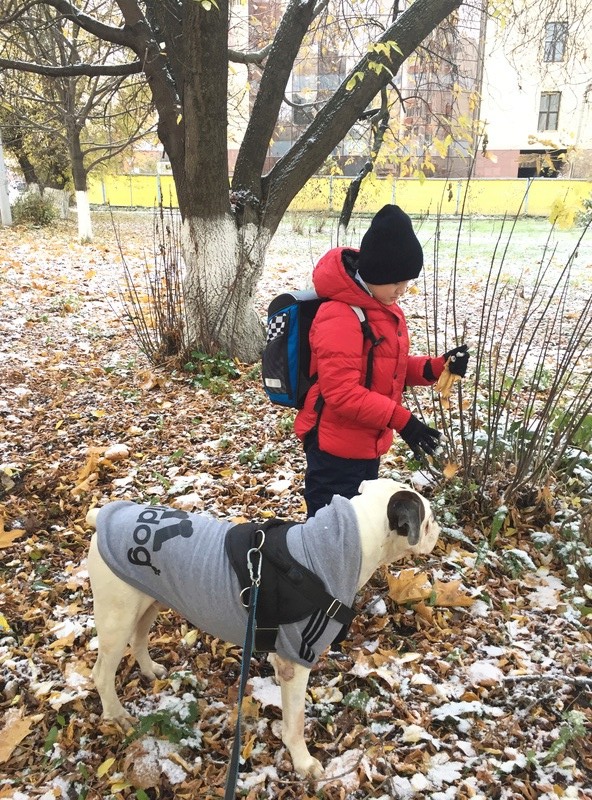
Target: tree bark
[80, 177]
[183, 50]
[224, 264]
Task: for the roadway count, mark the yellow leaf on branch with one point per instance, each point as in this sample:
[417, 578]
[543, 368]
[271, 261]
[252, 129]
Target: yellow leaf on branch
[450, 470]
[445, 383]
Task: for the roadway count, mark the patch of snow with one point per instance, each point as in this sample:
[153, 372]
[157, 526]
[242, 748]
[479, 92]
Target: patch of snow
[484, 673]
[188, 502]
[67, 627]
[278, 486]
[344, 768]
[547, 593]
[244, 785]
[181, 483]
[542, 538]
[174, 772]
[521, 556]
[401, 788]
[515, 759]
[422, 479]
[466, 748]
[59, 699]
[457, 711]
[442, 770]
[419, 782]
[381, 728]
[157, 490]
[415, 733]
[377, 606]
[493, 650]
[479, 608]
[266, 691]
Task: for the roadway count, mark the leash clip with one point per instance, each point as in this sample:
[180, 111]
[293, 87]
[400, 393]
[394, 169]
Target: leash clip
[255, 559]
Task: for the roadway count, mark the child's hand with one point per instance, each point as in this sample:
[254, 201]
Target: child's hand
[457, 360]
[419, 437]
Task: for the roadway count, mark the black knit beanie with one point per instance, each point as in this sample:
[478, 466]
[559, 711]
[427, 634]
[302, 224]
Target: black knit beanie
[390, 251]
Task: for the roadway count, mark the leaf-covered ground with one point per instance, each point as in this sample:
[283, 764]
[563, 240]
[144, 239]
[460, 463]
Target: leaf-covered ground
[458, 680]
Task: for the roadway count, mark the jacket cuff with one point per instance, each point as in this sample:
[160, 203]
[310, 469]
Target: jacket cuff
[400, 418]
[435, 366]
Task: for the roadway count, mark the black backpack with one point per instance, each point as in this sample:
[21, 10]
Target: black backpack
[286, 357]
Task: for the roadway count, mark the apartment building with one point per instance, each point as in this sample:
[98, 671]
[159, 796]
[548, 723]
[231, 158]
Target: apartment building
[496, 96]
[536, 95]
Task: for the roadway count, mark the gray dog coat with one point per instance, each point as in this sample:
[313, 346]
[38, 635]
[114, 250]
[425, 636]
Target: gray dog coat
[179, 559]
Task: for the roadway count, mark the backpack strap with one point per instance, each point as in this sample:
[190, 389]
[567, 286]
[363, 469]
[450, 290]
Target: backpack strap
[289, 591]
[367, 333]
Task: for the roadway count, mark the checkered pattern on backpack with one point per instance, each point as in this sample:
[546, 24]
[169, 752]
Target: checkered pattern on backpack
[276, 326]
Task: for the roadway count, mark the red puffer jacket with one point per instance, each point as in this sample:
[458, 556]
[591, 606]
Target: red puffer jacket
[357, 422]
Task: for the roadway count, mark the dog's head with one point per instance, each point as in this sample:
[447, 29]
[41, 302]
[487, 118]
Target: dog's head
[407, 518]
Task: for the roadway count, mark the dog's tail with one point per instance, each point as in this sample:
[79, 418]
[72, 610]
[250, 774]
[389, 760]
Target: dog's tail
[91, 518]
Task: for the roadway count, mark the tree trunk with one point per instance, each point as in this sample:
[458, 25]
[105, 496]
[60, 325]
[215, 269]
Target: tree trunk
[182, 48]
[224, 263]
[79, 176]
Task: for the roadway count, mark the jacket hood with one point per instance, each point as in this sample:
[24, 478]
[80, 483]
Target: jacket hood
[330, 279]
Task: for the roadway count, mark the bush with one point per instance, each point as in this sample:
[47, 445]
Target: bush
[517, 438]
[155, 304]
[584, 217]
[34, 209]
[211, 372]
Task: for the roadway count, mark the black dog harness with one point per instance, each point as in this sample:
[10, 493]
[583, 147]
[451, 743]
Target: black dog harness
[289, 592]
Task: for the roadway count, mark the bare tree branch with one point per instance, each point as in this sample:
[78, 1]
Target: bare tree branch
[335, 119]
[257, 57]
[379, 121]
[74, 70]
[284, 49]
[101, 30]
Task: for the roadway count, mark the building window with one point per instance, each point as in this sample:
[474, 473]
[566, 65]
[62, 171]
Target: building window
[549, 111]
[555, 40]
[541, 163]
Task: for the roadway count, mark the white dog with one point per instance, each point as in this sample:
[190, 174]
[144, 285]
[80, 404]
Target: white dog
[145, 557]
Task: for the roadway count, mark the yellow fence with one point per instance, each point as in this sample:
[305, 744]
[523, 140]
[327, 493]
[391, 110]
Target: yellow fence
[490, 197]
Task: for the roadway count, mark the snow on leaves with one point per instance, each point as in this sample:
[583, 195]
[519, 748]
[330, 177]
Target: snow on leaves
[458, 679]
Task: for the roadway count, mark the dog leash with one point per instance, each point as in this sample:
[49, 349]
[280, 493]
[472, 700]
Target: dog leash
[254, 561]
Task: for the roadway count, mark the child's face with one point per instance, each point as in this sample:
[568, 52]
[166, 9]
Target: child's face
[388, 293]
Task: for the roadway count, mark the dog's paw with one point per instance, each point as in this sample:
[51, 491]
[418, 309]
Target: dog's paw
[122, 723]
[154, 671]
[310, 768]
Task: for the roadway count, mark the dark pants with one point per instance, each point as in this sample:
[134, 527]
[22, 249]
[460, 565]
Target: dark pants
[327, 475]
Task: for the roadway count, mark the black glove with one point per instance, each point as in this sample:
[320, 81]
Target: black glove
[459, 360]
[419, 437]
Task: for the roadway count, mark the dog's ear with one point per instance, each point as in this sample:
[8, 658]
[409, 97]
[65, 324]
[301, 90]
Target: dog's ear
[406, 512]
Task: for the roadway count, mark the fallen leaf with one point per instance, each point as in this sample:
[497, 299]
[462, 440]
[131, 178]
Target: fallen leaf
[8, 537]
[104, 768]
[451, 594]
[93, 455]
[15, 728]
[408, 586]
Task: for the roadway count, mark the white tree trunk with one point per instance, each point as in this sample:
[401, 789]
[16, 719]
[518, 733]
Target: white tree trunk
[5, 214]
[84, 221]
[223, 265]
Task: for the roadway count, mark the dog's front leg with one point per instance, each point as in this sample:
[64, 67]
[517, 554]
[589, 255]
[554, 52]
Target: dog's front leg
[293, 680]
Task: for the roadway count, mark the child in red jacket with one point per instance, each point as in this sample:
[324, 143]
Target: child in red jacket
[346, 425]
